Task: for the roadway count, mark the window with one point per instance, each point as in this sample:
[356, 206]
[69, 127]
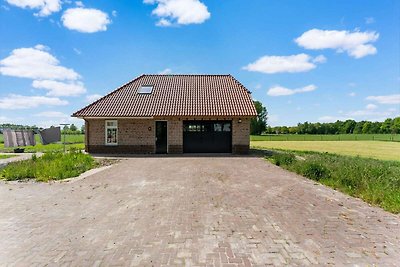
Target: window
[145, 89]
[111, 132]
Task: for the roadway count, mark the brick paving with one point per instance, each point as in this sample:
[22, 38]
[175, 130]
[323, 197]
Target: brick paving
[192, 211]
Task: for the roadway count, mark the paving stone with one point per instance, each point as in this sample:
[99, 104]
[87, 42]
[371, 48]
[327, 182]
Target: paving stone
[178, 211]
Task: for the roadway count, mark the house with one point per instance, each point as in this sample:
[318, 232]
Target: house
[171, 114]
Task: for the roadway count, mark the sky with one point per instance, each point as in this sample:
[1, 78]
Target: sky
[304, 60]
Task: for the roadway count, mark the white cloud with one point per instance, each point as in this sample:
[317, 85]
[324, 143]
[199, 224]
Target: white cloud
[77, 51]
[179, 12]
[165, 71]
[25, 102]
[92, 98]
[371, 107]
[356, 43]
[283, 91]
[369, 20]
[51, 114]
[46, 7]
[114, 13]
[79, 4]
[332, 118]
[319, 59]
[352, 94]
[57, 88]
[87, 20]
[35, 63]
[277, 64]
[385, 99]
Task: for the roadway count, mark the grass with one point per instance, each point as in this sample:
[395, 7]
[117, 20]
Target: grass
[375, 181]
[45, 148]
[69, 138]
[51, 166]
[328, 137]
[6, 156]
[369, 149]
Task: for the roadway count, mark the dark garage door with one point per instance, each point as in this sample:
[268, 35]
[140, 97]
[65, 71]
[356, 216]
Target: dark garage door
[207, 136]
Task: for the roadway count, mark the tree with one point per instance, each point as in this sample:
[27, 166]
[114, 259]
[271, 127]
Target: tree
[259, 124]
[83, 129]
[396, 126]
[73, 128]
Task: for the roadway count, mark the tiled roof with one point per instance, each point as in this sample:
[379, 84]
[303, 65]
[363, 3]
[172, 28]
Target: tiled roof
[175, 95]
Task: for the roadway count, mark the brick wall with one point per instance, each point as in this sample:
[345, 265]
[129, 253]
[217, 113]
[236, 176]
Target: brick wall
[134, 135]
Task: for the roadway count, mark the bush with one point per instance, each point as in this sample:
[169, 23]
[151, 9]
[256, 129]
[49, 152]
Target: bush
[283, 159]
[315, 171]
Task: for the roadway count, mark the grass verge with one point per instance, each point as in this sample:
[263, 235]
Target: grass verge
[45, 148]
[51, 166]
[374, 181]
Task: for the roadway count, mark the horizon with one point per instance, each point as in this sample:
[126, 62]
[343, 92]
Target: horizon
[342, 63]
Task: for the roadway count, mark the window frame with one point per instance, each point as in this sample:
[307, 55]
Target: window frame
[111, 127]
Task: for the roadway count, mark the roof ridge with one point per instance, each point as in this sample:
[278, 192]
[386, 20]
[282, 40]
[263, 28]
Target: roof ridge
[177, 74]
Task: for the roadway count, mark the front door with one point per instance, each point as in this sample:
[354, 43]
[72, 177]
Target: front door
[161, 137]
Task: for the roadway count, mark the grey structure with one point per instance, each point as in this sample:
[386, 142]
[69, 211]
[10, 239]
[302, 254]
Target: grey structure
[16, 138]
[50, 135]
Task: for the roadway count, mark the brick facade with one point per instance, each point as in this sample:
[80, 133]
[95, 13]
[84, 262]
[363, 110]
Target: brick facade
[138, 135]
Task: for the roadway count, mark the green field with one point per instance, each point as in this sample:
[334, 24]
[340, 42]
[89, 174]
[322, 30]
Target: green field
[6, 156]
[327, 137]
[368, 149]
[69, 138]
[73, 141]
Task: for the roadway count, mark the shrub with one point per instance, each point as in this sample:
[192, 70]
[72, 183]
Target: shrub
[315, 171]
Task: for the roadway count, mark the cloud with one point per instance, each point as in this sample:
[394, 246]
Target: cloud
[46, 7]
[332, 118]
[385, 99]
[86, 20]
[371, 107]
[25, 102]
[182, 12]
[352, 94]
[56, 88]
[166, 71]
[278, 64]
[369, 20]
[92, 98]
[35, 63]
[51, 114]
[356, 43]
[282, 91]
[114, 13]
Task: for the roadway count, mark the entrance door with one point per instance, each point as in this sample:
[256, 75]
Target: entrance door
[161, 137]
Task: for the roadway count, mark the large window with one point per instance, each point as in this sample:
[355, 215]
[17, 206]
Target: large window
[111, 132]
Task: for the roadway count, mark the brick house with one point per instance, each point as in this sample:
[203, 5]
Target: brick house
[171, 114]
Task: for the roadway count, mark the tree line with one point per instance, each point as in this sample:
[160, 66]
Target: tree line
[389, 126]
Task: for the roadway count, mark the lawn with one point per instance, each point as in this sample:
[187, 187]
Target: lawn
[51, 166]
[6, 156]
[327, 137]
[369, 149]
[73, 141]
[69, 138]
[45, 148]
[375, 181]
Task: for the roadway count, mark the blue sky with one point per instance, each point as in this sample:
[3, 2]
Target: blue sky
[305, 60]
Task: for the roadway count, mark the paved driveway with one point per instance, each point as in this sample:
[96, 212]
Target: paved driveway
[192, 211]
